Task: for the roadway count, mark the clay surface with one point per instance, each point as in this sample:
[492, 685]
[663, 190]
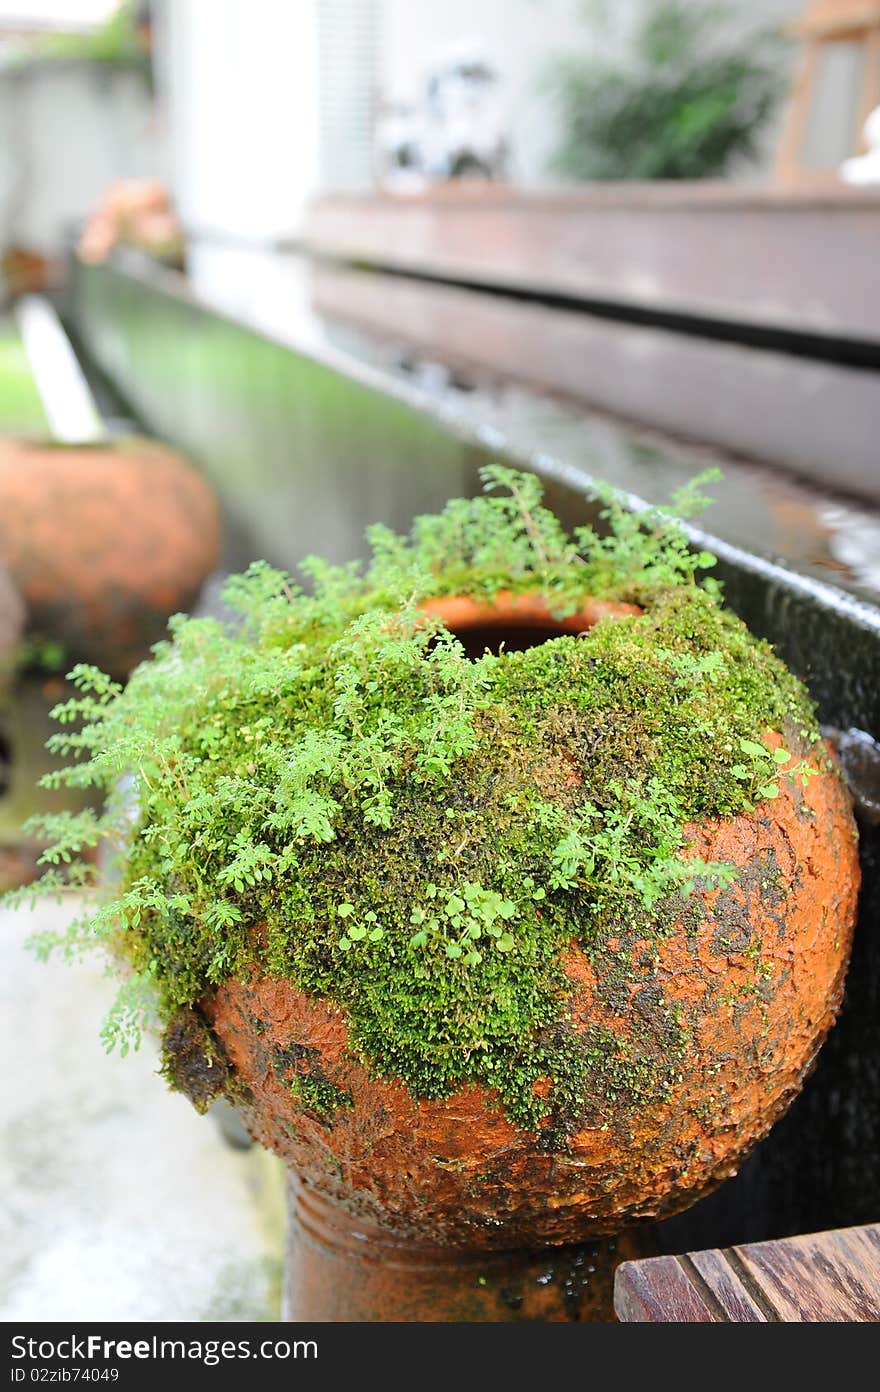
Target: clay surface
[104, 543]
[460, 613]
[458, 1171]
[339, 1268]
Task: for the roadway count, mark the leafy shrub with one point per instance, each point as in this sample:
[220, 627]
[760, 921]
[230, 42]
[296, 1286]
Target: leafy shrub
[686, 104]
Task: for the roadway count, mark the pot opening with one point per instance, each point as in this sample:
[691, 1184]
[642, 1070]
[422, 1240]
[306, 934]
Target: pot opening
[512, 637]
[514, 622]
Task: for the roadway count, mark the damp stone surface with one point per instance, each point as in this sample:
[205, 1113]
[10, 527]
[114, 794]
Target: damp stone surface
[120, 1202]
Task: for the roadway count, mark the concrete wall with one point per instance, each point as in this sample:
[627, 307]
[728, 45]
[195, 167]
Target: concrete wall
[67, 130]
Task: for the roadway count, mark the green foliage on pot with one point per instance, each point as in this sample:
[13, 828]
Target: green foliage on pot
[402, 821]
[687, 101]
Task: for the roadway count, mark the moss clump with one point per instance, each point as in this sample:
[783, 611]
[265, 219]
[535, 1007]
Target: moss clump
[320, 1098]
[193, 1060]
[419, 836]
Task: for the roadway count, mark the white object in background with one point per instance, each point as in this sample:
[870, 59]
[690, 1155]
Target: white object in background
[456, 131]
[865, 169]
[67, 399]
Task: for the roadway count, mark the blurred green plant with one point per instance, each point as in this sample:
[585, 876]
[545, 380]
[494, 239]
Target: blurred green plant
[688, 100]
[118, 42]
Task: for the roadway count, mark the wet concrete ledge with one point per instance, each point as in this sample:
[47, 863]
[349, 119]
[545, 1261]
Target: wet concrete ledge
[816, 418]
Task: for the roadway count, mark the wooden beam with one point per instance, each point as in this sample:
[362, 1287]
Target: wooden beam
[830, 1277]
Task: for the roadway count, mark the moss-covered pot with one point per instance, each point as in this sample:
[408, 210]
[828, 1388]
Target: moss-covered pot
[104, 543]
[695, 1039]
[505, 884]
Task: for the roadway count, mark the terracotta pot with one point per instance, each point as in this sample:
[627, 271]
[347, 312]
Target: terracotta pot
[341, 1268]
[516, 620]
[105, 542]
[456, 1173]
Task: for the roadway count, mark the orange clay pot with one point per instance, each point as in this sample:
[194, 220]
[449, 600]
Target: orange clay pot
[341, 1268]
[400, 1201]
[105, 542]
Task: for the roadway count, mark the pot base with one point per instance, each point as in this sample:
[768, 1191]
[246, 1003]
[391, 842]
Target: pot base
[342, 1269]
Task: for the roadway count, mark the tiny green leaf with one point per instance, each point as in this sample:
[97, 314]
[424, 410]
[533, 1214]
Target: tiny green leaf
[757, 751]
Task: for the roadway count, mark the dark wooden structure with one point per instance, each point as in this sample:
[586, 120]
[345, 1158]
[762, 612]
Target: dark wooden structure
[788, 261]
[830, 1277]
[826, 25]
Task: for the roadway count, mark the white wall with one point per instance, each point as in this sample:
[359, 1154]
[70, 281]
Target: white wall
[67, 130]
[519, 37]
[239, 82]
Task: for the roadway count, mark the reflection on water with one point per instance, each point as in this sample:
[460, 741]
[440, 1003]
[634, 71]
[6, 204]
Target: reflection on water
[859, 756]
[854, 540]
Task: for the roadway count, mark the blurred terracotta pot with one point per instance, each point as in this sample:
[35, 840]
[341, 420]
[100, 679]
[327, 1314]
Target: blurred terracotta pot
[105, 542]
[408, 1208]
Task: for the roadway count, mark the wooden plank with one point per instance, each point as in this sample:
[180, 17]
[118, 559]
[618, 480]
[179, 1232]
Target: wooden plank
[824, 1277]
[659, 1291]
[829, 1277]
[791, 144]
[801, 260]
[730, 1291]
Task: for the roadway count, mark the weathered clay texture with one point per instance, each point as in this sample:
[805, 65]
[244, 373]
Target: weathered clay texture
[340, 1268]
[460, 613]
[458, 1171]
[104, 543]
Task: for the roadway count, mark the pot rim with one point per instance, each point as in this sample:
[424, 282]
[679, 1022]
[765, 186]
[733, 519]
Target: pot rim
[525, 609]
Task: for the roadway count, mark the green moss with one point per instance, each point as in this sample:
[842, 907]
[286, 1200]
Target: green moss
[423, 836]
[193, 1061]
[319, 1097]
